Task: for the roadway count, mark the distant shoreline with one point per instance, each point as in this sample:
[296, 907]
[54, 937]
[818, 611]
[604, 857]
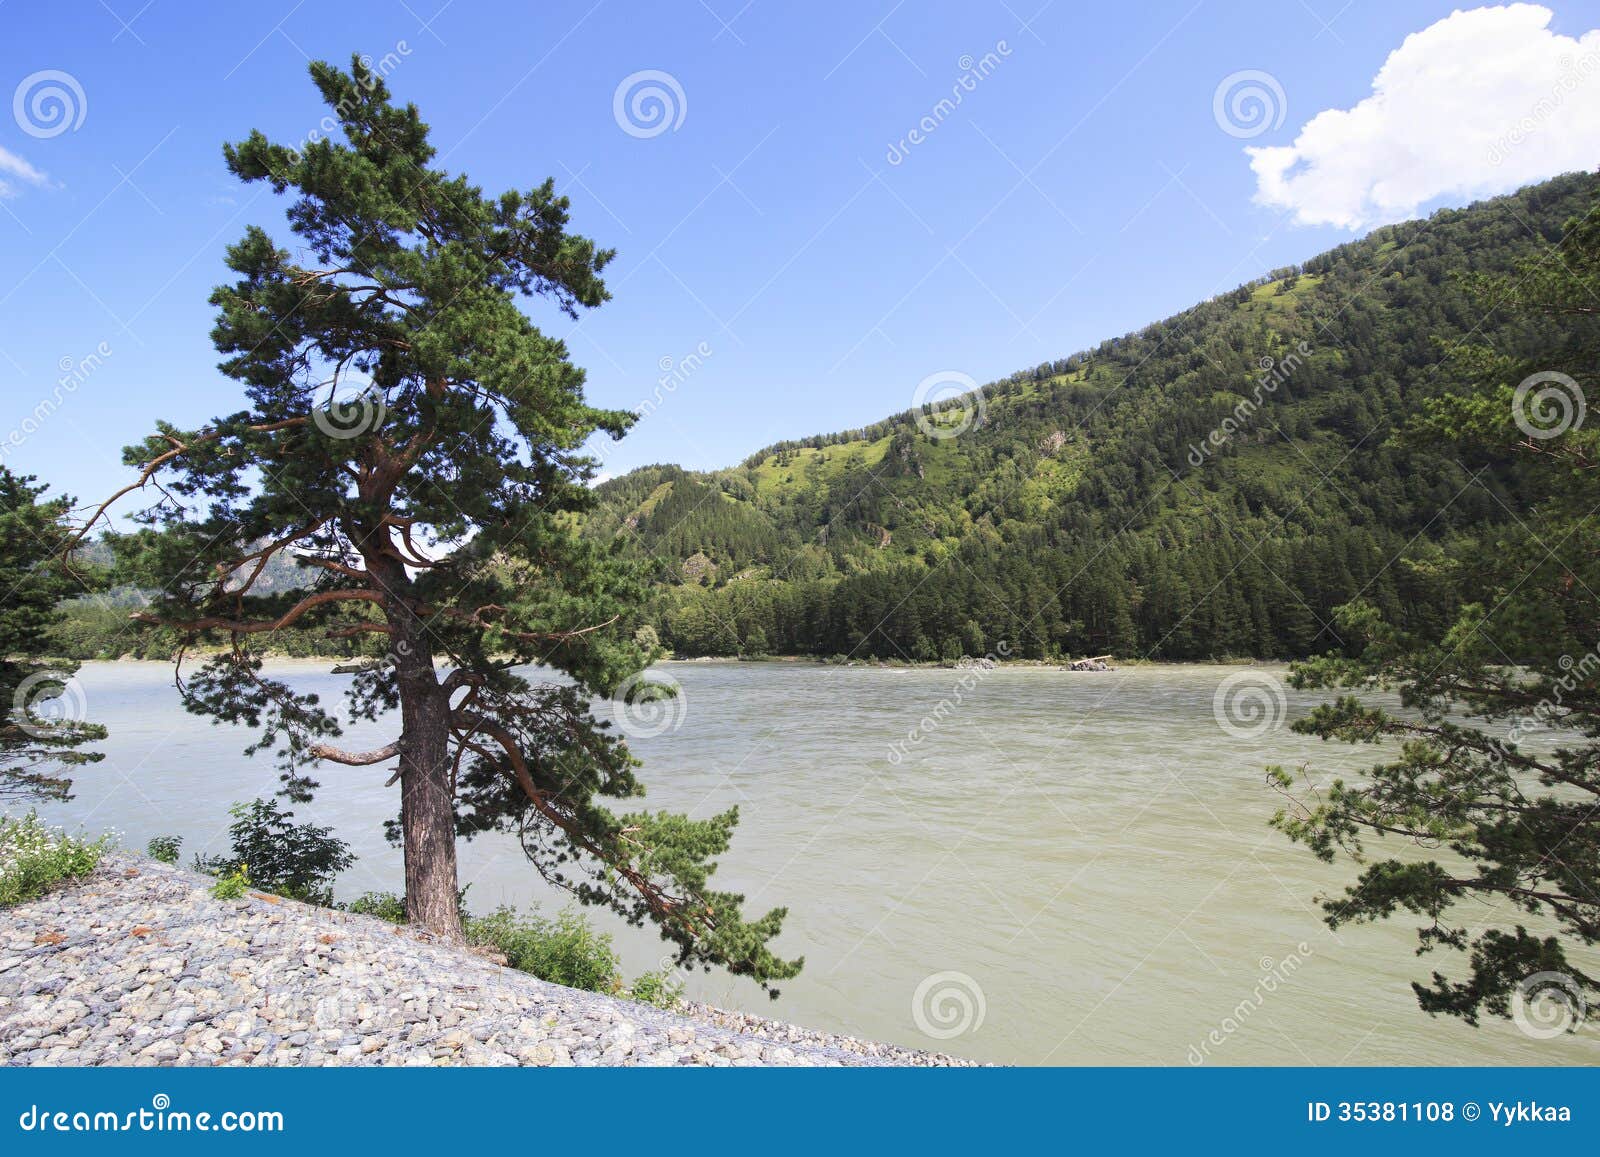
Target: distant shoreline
[811, 660]
[965, 664]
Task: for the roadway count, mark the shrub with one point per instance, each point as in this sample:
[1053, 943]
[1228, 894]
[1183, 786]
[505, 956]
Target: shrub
[658, 988]
[34, 856]
[565, 950]
[164, 848]
[383, 905]
[295, 860]
[233, 885]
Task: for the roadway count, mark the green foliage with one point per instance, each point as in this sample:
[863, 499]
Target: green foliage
[565, 950]
[1074, 519]
[415, 441]
[34, 857]
[233, 884]
[41, 729]
[1491, 773]
[99, 628]
[88, 628]
[649, 642]
[659, 988]
[164, 848]
[383, 905]
[295, 860]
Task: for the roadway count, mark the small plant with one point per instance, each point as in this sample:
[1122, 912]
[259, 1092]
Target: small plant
[295, 860]
[164, 848]
[383, 905]
[658, 988]
[35, 856]
[234, 885]
[565, 950]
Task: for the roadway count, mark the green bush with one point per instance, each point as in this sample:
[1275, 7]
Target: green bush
[383, 905]
[34, 856]
[565, 950]
[658, 988]
[164, 848]
[295, 860]
[233, 885]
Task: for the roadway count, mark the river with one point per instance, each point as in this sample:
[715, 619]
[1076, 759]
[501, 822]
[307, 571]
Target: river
[1018, 865]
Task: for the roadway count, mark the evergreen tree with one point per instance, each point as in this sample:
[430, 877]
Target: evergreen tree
[41, 729]
[1505, 810]
[415, 441]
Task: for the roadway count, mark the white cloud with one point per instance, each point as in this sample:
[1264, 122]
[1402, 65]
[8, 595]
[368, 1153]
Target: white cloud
[1482, 102]
[14, 167]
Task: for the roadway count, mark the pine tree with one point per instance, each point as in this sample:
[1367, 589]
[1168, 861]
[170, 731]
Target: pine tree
[1497, 772]
[413, 438]
[40, 728]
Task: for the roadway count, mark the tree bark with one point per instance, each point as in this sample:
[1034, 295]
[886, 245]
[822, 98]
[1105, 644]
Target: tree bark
[427, 804]
[427, 794]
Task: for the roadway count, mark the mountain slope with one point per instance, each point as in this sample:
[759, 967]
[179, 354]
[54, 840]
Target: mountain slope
[1214, 484]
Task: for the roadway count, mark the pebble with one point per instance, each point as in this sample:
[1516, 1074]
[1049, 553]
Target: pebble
[152, 969]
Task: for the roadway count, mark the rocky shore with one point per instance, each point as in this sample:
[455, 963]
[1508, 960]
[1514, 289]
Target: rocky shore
[140, 965]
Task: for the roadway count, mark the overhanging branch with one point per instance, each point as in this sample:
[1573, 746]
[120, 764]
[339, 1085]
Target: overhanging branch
[219, 623]
[356, 758]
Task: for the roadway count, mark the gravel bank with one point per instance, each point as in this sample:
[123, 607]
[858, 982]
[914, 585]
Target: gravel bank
[139, 965]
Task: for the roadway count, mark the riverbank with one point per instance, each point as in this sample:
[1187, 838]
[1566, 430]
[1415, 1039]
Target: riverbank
[986, 662]
[993, 662]
[139, 965]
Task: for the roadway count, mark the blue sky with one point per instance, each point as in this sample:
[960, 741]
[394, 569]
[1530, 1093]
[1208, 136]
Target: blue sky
[1086, 184]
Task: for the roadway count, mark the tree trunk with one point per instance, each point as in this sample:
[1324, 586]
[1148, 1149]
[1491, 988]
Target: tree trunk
[427, 795]
[427, 805]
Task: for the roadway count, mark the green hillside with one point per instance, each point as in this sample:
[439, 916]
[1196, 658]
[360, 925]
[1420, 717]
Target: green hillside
[1090, 512]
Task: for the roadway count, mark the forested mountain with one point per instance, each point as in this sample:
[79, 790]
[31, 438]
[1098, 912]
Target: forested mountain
[1212, 485]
